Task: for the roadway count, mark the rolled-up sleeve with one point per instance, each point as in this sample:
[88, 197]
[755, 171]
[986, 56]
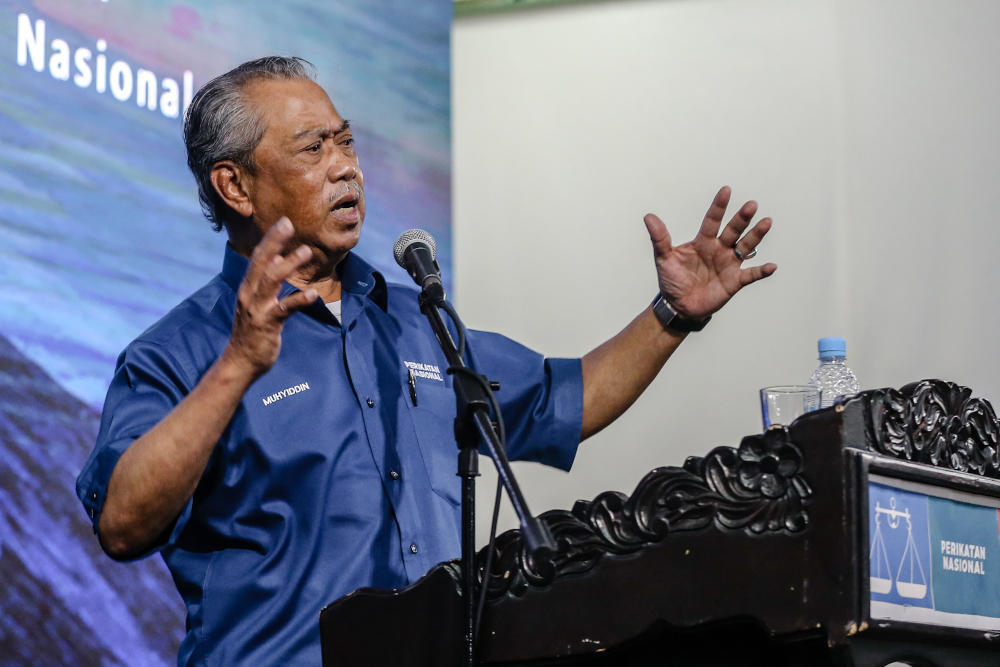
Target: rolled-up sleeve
[148, 383]
[541, 399]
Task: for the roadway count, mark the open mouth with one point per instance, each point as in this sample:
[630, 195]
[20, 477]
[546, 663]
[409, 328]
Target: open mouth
[346, 207]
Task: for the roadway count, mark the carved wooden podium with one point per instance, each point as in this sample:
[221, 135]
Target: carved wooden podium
[863, 534]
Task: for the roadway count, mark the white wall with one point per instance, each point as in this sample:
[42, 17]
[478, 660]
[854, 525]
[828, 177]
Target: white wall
[865, 128]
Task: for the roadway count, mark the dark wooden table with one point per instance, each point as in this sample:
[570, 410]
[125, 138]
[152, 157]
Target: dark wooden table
[756, 555]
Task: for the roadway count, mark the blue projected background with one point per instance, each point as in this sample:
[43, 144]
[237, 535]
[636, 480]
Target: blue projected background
[101, 234]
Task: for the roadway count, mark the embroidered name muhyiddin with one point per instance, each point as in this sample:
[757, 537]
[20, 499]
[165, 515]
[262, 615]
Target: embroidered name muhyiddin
[285, 392]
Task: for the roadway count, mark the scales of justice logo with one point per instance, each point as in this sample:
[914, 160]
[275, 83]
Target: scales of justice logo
[910, 579]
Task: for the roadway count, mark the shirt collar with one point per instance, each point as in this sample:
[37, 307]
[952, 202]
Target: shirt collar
[356, 276]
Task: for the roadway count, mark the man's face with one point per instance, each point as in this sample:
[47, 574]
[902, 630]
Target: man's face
[306, 167]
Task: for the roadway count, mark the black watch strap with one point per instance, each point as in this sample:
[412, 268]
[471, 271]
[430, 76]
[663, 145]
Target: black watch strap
[670, 319]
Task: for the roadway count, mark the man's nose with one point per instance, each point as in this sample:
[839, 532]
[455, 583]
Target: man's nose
[342, 168]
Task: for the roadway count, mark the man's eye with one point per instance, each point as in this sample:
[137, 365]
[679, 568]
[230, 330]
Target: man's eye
[314, 148]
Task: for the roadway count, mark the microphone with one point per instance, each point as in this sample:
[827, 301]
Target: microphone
[415, 251]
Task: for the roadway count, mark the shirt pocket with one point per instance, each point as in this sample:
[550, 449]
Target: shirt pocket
[433, 420]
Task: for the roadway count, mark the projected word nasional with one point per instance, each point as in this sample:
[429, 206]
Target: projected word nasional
[151, 93]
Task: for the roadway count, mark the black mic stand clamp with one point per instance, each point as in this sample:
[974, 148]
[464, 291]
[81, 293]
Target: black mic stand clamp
[472, 426]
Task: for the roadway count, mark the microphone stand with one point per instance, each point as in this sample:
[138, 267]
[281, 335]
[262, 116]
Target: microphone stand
[472, 423]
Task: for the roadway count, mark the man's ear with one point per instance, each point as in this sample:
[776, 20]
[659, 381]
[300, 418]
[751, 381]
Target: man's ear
[232, 184]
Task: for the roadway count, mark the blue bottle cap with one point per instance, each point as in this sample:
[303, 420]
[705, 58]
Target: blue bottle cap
[832, 347]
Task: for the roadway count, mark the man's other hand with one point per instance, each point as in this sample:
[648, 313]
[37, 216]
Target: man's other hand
[260, 317]
[699, 277]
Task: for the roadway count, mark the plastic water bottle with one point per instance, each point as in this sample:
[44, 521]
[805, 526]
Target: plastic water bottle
[833, 376]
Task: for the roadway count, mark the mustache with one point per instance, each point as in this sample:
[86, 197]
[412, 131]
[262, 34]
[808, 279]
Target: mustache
[344, 189]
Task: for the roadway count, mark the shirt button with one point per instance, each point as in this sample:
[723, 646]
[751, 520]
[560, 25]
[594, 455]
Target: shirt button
[371, 403]
[393, 474]
[413, 548]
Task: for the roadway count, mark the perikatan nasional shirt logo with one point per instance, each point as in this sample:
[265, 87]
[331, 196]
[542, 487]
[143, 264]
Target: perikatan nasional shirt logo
[428, 371]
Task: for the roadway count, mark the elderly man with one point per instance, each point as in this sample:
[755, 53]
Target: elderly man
[263, 435]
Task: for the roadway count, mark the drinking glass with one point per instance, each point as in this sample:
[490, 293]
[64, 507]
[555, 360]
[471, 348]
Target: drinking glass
[784, 404]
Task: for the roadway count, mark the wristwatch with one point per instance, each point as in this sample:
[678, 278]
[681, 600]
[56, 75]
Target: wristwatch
[670, 319]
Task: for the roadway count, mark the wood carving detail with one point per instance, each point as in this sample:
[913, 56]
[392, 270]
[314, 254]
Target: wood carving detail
[934, 422]
[758, 488]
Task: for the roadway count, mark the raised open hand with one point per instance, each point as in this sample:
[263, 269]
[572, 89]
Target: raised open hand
[699, 277]
[260, 316]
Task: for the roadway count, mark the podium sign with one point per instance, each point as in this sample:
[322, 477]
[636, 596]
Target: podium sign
[934, 555]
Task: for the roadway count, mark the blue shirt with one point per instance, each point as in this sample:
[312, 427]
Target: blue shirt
[328, 478]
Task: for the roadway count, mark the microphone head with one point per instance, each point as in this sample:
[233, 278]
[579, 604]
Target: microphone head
[409, 237]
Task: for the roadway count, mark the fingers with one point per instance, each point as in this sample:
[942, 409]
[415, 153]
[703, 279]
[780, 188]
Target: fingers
[753, 238]
[713, 219]
[731, 234]
[268, 268]
[658, 234]
[282, 267]
[272, 243]
[755, 273]
[294, 302]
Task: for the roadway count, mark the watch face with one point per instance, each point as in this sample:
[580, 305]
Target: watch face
[663, 311]
[668, 317]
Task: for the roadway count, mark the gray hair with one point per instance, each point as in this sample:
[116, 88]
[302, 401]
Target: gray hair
[221, 124]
